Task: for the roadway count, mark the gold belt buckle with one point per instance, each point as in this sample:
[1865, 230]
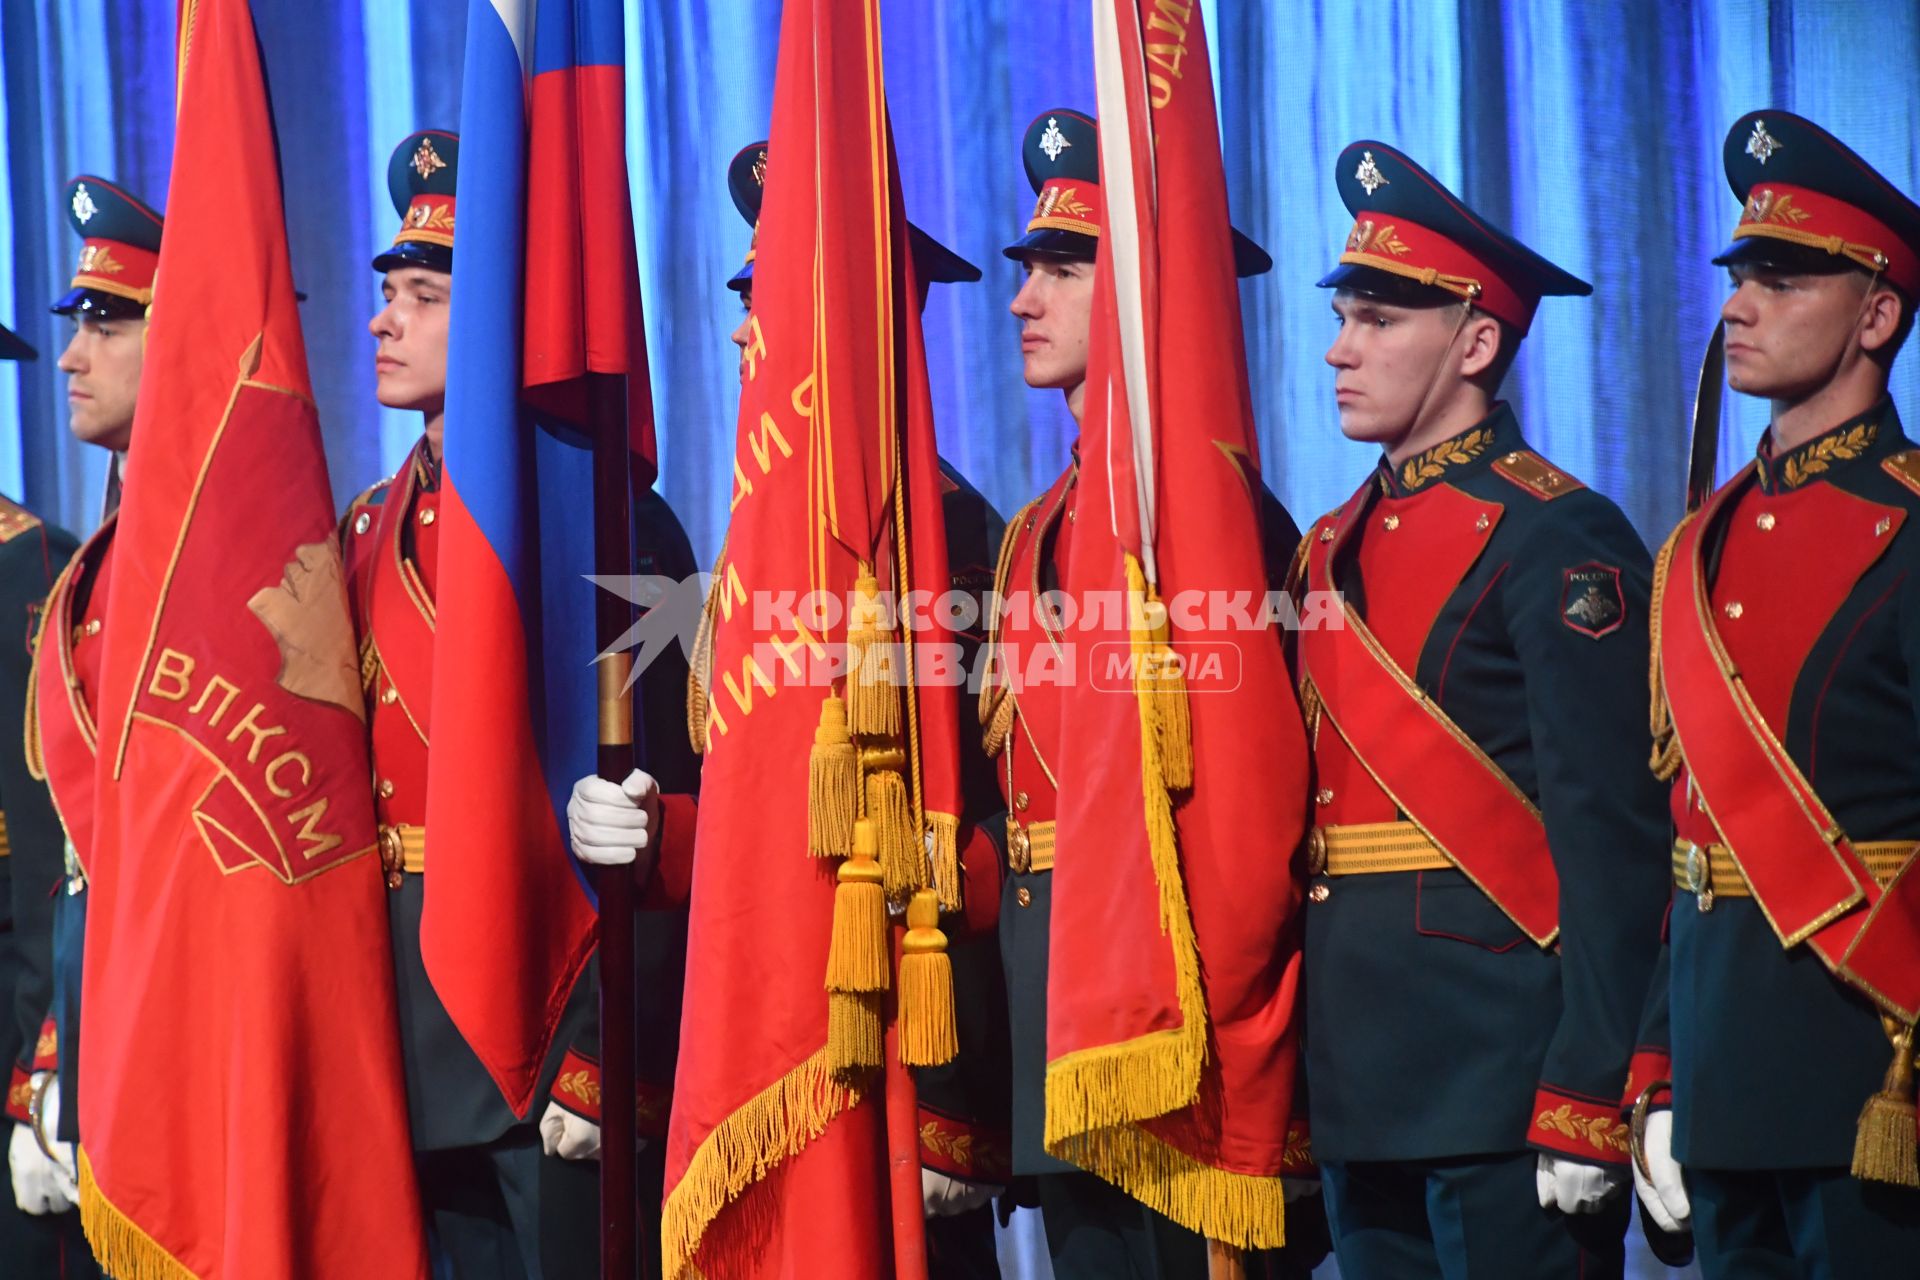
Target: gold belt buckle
[1700, 876]
[393, 858]
[1019, 848]
[1316, 851]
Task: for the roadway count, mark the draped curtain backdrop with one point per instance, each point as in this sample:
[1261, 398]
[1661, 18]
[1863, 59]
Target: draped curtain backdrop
[1591, 130]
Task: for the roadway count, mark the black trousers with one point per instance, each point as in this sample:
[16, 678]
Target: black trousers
[1095, 1231]
[1464, 1220]
[508, 1211]
[1802, 1224]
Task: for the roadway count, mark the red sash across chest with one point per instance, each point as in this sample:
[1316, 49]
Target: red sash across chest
[67, 686]
[1414, 554]
[1797, 861]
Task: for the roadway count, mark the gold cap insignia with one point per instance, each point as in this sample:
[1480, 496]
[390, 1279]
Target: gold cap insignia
[1368, 175]
[1762, 144]
[760, 168]
[427, 161]
[1053, 142]
[83, 206]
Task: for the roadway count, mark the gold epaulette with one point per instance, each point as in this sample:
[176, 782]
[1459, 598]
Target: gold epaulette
[1535, 474]
[15, 520]
[1904, 466]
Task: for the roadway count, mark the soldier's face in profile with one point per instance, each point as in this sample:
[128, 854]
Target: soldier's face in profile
[410, 363]
[743, 332]
[1787, 331]
[1055, 307]
[1386, 358]
[102, 364]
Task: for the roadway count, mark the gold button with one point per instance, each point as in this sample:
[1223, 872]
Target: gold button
[390, 696]
[1319, 893]
[1880, 530]
[426, 517]
[1392, 522]
[1069, 515]
[1324, 796]
[362, 523]
[1316, 851]
[1765, 520]
[1326, 534]
[1022, 897]
[1021, 799]
[1512, 458]
[1482, 524]
[1734, 609]
[386, 788]
[93, 626]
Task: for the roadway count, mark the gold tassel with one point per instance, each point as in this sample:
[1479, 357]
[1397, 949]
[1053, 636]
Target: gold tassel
[873, 693]
[945, 830]
[832, 783]
[1886, 1146]
[998, 723]
[1157, 673]
[928, 1037]
[903, 858]
[857, 954]
[853, 1031]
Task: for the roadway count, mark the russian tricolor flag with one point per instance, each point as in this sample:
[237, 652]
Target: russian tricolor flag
[545, 293]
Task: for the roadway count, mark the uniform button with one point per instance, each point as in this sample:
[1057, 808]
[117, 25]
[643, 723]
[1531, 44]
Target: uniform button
[1392, 522]
[1765, 520]
[386, 788]
[1319, 893]
[1022, 897]
[1734, 609]
[1880, 530]
[1482, 524]
[426, 517]
[390, 695]
[93, 626]
[1324, 796]
[1326, 533]
[1021, 800]
[362, 523]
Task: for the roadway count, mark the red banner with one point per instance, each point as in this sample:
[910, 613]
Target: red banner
[237, 938]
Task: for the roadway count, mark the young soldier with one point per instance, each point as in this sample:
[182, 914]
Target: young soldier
[1788, 624]
[1093, 1229]
[31, 555]
[1488, 875]
[108, 299]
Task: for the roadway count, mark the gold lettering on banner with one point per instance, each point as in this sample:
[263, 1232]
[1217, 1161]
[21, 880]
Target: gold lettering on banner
[764, 442]
[756, 348]
[786, 646]
[1169, 18]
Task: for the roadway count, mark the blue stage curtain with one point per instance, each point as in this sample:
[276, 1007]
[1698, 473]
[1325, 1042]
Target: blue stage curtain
[1592, 131]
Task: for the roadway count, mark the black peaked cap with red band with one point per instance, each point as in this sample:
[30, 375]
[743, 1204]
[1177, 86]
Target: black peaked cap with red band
[1808, 201]
[1062, 155]
[1409, 227]
[421, 175]
[120, 249]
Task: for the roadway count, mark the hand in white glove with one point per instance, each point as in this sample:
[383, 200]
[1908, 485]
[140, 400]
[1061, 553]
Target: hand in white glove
[942, 1196]
[610, 824]
[1292, 1189]
[1664, 1196]
[566, 1135]
[1572, 1187]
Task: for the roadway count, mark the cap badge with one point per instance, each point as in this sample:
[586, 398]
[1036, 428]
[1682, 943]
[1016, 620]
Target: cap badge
[83, 206]
[760, 168]
[1368, 174]
[1053, 142]
[1763, 205]
[1363, 237]
[427, 161]
[1762, 144]
[98, 260]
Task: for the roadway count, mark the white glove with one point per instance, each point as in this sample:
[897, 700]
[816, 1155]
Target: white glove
[566, 1135]
[945, 1197]
[1292, 1189]
[610, 824]
[1572, 1187]
[1665, 1196]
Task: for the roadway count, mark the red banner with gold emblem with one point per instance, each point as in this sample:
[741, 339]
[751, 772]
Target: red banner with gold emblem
[1175, 963]
[237, 940]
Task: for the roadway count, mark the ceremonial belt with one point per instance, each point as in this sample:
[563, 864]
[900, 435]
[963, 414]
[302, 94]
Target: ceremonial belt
[1809, 880]
[1710, 871]
[403, 847]
[1450, 789]
[1372, 848]
[1029, 846]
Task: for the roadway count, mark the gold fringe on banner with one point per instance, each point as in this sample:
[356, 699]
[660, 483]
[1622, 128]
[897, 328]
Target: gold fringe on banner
[1886, 1147]
[944, 828]
[928, 1037]
[873, 693]
[775, 1125]
[1157, 674]
[123, 1250]
[832, 783]
[857, 957]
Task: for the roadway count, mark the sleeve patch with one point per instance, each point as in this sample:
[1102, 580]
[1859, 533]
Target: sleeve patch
[1591, 601]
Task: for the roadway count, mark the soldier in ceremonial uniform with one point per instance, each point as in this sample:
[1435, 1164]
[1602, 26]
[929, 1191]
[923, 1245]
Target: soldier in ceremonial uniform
[32, 845]
[1787, 624]
[107, 302]
[963, 1105]
[1093, 1229]
[1487, 863]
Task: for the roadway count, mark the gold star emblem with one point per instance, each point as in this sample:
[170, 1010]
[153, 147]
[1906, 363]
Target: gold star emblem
[1368, 175]
[1762, 144]
[427, 161]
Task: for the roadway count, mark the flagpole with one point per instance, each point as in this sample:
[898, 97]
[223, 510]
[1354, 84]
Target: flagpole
[613, 558]
[902, 1101]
